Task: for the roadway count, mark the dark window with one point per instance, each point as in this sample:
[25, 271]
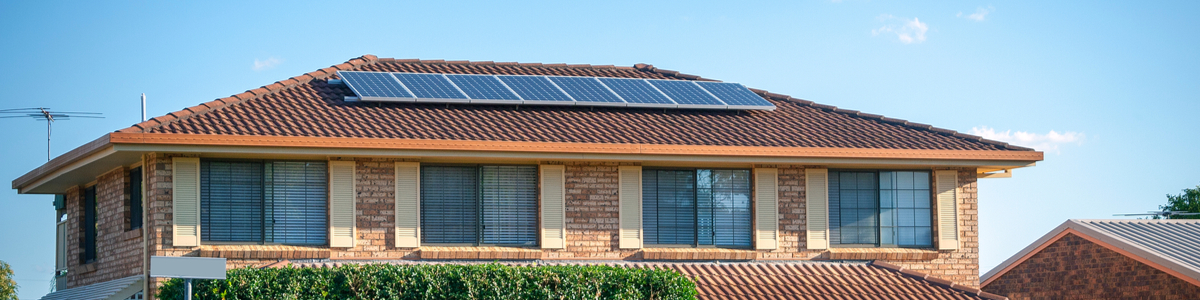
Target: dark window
[89, 224]
[495, 205]
[135, 199]
[276, 202]
[696, 207]
[885, 208]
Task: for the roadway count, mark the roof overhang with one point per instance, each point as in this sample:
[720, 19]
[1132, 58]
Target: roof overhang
[1117, 244]
[116, 149]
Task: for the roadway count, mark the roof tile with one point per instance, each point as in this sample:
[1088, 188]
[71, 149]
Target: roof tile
[301, 106]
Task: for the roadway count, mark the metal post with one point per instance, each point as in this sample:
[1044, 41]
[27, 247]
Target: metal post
[143, 107]
[187, 290]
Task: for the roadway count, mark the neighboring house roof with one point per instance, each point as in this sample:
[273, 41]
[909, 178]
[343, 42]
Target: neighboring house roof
[307, 111]
[1172, 246]
[116, 289]
[782, 280]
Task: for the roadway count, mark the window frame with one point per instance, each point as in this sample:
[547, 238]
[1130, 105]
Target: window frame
[696, 207]
[879, 209]
[479, 231]
[263, 225]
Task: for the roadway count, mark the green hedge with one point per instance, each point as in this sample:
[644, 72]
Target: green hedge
[431, 281]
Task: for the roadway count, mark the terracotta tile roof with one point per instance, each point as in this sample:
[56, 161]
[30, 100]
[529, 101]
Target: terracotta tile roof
[307, 106]
[785, 280]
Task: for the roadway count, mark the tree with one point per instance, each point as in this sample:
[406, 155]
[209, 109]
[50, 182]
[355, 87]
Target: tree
[8, 287]
[1188, 201]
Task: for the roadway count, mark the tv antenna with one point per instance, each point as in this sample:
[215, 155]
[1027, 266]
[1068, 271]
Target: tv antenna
[1165, 214]
[45, 114]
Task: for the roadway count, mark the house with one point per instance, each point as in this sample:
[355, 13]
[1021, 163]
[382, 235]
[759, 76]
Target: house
[1105, 259]
[321, 167]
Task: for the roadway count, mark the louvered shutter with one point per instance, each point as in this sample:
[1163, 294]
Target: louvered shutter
[629, 201]
[185, 199]
[553, 214]
[408, 204]
[947, 208]
[766, 208]
[816, 191]
[341, 203]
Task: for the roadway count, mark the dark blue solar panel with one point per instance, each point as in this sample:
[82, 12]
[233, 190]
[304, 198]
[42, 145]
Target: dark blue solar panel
[374, 84]
[685, 92]
[482, 87]
[586, 89]
[534, 88]
[429, 86]
[635, 91]
[734, 94]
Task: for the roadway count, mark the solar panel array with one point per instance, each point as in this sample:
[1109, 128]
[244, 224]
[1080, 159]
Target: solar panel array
[550, 90]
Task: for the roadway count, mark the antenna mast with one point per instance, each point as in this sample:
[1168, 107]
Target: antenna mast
[45, 114]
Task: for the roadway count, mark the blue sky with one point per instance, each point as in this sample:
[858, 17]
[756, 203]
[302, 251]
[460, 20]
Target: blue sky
[1108, 90]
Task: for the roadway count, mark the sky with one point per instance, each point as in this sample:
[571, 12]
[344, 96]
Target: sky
[1108, 90]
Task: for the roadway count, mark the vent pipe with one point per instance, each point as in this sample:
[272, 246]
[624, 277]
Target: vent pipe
[143, 107]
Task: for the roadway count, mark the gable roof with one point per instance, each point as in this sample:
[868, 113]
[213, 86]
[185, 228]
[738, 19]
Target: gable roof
[778, 280]
[307, 106]
[1172, 246]
[307, 112]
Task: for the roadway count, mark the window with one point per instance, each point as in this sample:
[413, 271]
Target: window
[89, 225]
[885, 208]
[134, 190]
[696, 207]
[490, 205]
[265, 202]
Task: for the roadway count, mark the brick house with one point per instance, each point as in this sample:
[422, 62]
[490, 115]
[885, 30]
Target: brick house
[1105, 259]
[299, 170]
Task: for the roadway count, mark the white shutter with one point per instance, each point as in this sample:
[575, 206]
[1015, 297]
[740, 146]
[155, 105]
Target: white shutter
[630, 206]
[554, 234]
[816, 191]
[341, 203]
[60, 247]
[185, 201]
[947, 209]
[408, 204]
[766, 208]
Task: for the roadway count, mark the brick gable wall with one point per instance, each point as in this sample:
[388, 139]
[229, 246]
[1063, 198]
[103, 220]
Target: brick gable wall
[1076, 268]
[118, 250]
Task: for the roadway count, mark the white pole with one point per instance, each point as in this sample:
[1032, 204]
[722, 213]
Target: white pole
[143, 107]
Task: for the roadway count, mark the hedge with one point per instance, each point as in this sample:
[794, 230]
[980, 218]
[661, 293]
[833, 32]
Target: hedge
[433, 281]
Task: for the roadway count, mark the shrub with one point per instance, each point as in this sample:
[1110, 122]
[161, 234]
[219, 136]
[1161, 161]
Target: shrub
[433, 281]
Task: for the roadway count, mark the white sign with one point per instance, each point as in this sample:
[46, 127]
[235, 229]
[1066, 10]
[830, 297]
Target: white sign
[187, 267]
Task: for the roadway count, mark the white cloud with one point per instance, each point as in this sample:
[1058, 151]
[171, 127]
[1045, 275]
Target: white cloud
[1048, 142]
[268, 63]
[907, 31]
[979, 15]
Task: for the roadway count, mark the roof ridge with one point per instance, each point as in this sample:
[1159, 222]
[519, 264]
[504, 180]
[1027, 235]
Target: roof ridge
[494, 63]
[276, 87]
[938, 281]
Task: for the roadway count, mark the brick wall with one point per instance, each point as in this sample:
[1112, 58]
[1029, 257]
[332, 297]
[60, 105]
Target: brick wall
[1075, 268]
[591, 220]
[118, 250]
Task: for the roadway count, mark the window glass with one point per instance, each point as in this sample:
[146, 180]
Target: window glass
[479, 205]
[89, 224]
[135, 198]
[885, 208]
[278, 202]
[696, 207]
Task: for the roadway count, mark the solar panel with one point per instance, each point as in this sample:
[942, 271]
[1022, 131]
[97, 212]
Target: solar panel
[537, 89]
[686, 93]
[484, 87]
[368, 85]
[587, 89]
[637, 92]
[430, 86]
[734, 94]
[550, 90]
